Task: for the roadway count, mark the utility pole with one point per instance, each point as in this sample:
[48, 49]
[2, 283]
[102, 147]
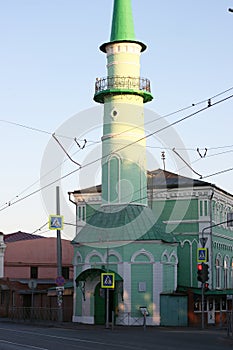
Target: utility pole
[107, 294]
[59, 247]
[59, 260]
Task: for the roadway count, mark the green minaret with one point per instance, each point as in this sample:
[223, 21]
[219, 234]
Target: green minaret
[123, 93]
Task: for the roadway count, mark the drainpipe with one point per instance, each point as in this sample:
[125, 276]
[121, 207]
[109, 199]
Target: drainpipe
[76, 212]
[211, 238]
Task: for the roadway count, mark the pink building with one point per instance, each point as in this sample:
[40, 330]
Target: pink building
[30, 271]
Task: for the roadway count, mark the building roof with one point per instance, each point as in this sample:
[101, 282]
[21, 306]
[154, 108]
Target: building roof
[113, 224]
[162, 179]
[157, 179]
[166, 179]
[20, 236]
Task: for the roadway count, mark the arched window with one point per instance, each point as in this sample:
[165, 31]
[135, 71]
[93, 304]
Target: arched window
[114, 179]
[226, 272]
[218, 272]
[231, 281]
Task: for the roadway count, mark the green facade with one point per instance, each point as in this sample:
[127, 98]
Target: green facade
[168, 268]
[145, 228]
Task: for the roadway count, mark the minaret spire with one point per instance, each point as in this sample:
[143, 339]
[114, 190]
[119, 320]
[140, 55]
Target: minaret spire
[122, 21]
[122, 24]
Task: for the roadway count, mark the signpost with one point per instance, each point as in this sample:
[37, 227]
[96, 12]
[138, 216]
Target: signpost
[56, 223]
[108, 280]
[60, 281]
[32, 284]
[202, 255]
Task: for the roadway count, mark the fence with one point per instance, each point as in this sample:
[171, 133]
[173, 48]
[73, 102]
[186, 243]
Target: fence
[126, 319]
[117, 82]
[34, 313]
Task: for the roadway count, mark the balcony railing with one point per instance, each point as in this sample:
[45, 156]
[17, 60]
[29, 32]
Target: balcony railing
[122, 83]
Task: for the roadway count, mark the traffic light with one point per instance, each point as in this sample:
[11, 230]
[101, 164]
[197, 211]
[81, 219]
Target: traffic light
[205, 272]
[202, 272]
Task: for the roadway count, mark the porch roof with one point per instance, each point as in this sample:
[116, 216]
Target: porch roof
[117, 223]
[95, 272]
[208, 292]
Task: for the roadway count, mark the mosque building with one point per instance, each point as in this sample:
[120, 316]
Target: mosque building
[135, 255]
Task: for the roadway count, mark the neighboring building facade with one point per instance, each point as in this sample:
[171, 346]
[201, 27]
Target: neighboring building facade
[30, 270]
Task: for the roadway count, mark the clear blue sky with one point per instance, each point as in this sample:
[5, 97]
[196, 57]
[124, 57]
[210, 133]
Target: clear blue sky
[49, 60]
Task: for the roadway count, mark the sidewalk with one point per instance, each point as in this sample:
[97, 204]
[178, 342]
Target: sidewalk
[74, 325]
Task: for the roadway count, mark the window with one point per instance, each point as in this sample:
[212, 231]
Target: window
[218, 273]
[231, 274]
[226, 272]
[2, 299]
[81, 213]
[211, 304]
[114, 180]
[34, 272]
[203, 208]
[65, 272]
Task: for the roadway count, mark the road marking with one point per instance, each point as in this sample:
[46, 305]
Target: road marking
[23, 345]
[121, 346]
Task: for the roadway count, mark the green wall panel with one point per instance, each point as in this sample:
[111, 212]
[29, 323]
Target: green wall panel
[141, 273]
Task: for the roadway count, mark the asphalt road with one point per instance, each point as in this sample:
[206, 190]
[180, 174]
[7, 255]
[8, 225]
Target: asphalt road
[15, 336]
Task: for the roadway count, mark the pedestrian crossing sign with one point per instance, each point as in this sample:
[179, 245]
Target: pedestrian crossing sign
[202, 255]
[108, 280]
[55, 222]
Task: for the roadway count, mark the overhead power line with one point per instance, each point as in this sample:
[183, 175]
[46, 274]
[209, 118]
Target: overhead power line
[210, 105]
[32, 128]
[36, 129]
[217, 173]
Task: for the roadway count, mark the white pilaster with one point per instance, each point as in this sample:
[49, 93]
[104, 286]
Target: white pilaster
[127, 286]
[157, 289]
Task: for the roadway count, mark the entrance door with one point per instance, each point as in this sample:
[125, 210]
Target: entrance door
[100, 305]
[173, 310]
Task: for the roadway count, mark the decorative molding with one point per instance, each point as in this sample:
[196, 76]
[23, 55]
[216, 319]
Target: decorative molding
[191, 243]
[76, 257]
[174, 222]
[125, 47]
[126, 62]
[222, 246]
[169, 258]
[174, 255]
[92, 254]
[113, 253]
[142, 252]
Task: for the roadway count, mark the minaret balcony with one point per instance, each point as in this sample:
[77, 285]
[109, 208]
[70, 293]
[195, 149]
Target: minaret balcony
[122, 85]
